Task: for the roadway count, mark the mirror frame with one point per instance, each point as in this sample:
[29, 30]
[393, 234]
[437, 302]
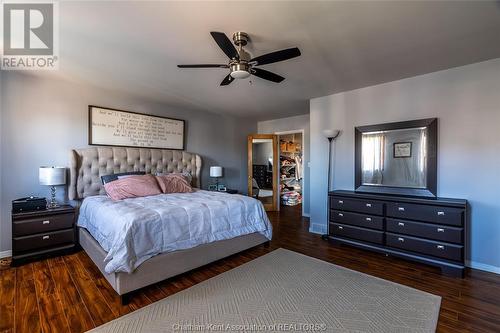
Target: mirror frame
[431, 187]
[274, 205]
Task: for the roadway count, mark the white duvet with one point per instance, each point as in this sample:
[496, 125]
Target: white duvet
[134, 230]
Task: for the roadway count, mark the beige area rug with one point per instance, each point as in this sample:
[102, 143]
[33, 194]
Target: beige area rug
[285, 291]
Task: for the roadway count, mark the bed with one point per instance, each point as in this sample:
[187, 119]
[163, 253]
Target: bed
[165, 257]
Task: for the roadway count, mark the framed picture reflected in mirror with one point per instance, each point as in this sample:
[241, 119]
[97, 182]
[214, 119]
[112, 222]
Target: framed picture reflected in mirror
[401, 149]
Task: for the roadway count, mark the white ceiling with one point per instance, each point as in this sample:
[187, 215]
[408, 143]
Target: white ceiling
[135, 47]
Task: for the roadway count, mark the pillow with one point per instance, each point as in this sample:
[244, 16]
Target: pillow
[126, 176]
[114, 176]
[174, 183]
[132, 187]
[187, 175]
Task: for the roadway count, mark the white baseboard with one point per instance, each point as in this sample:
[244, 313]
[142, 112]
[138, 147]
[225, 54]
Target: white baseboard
[317, 229]
[5, 254]
[482, 267]
[321, 230]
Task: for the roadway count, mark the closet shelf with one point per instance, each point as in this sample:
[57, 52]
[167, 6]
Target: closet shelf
[288, 167]
[288, 179]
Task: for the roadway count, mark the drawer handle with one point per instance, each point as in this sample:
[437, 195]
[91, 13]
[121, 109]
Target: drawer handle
[368, 205]
[401, 209]
[340, 214]
[341, 202]
[440, 230]
[401, 224]
[46, 222]
[46, 237]
[341, 227]
[368, 219]
[401, 239]
[440, 213]
[440, 247]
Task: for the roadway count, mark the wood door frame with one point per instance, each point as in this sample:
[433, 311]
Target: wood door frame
[273, 206]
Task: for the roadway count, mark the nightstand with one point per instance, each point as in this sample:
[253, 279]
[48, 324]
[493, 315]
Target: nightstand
[42, 233]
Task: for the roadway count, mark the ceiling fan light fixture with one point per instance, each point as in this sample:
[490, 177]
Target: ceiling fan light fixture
[240, 74]
[241, 64]
[240, 70]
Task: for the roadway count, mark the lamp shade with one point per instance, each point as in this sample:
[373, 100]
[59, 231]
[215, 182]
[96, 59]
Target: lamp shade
[48, 175]
[216, 171]
[328, 133]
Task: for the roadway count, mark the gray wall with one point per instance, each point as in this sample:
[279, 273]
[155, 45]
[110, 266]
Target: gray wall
[42, 119]
[289, 124]
[467, 102]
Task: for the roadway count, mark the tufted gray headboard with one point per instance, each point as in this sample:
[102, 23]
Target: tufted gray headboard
[89, 164]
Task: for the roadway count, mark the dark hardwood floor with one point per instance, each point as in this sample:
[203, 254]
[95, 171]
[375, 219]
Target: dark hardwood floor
[69, 294]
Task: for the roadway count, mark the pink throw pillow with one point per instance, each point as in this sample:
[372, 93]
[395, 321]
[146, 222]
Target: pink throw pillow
[174, 183]
[132, 187]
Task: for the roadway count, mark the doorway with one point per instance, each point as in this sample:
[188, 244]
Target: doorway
[291, 171]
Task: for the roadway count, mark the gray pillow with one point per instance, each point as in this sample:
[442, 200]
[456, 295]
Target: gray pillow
[187, 175]
[114, 176]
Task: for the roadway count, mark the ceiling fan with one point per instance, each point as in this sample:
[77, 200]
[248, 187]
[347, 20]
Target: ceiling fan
[241, 65]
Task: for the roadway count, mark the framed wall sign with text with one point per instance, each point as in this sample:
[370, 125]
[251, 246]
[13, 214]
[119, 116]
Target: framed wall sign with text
[110, 127]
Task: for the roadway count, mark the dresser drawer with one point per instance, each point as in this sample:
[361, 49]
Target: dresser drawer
[425, 230]
[360, 220]
[427, 213]
[353, 205]
[44, 240]
[42, 224]
[362, 234]
[433, 248]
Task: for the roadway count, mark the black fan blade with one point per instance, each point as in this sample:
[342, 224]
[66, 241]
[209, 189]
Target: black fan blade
[227, 80]
[203, 66]
[277, 56]
[225, 44]
[266, 75]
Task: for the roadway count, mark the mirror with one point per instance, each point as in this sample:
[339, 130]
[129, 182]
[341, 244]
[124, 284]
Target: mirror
[262, 169]
[397, 158]
[394, 158]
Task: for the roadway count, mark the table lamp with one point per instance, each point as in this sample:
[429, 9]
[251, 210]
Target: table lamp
[216, 172]
[52, 176]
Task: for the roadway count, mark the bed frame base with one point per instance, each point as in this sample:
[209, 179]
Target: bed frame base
[125, 298]
[165, 265]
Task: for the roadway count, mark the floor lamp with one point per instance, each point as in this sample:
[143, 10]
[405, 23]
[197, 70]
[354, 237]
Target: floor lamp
[331, 135]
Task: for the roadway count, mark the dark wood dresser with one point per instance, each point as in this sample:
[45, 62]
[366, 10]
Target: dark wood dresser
[262, 176]
[41, 233]
[431, 231]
